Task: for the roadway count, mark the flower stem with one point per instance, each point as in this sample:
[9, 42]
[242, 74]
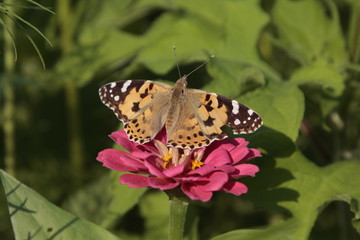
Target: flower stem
[178, 208]
[9, 92]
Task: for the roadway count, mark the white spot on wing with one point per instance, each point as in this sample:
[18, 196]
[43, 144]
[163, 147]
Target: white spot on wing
[126, 85]
[237, 122]
[250, 112]
[235, 106]
[116, 98]
[113, 85]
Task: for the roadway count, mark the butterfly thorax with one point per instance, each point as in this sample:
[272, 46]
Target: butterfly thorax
[178, 96]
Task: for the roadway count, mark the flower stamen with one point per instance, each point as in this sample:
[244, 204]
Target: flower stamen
[167, 158]
[196, 164]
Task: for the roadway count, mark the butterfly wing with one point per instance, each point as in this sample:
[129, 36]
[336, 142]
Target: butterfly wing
[213, 111]
[218, 111]
[185, 131]
[133, 103]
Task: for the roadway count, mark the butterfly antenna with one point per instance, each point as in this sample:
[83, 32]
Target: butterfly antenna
[211, 57]
[177, 64]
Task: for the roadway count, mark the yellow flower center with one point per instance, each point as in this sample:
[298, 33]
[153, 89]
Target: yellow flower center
[167, 158]
[196, 164]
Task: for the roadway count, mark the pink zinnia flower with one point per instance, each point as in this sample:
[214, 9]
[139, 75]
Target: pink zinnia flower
[198, 173]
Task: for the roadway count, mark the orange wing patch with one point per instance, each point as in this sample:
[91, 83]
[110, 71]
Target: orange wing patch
[188, 134]
[212, 115]
[139, 129]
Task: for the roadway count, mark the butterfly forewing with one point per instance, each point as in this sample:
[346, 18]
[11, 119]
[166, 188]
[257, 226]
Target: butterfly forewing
[241, 119]
[216, 111]
[136, 103]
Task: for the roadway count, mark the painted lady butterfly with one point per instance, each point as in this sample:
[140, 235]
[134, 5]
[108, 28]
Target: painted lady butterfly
[192, 118]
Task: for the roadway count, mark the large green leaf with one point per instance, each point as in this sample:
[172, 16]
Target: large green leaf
[33, 217]
[155, 209]
[281, 106]
[282, 231]
[104, 201]
[307, 31]
[236, 53]
[302, 189]
[174, 29]
[123, 199]
[322, 74]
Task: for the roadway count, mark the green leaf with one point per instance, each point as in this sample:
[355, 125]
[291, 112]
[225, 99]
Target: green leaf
[85, 61]
[169, 30]
[33, 217]
[237, 53]
[278, 231]
[155, 209]
[322, 74]
[302, 189]
[281, 106]
[307, 32]
[123, 199]
[104, 201]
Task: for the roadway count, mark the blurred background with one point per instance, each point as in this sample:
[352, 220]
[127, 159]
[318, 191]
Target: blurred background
[56, 54]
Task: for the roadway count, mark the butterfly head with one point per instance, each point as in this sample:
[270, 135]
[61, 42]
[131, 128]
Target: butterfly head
[180, 88]
[181, 83]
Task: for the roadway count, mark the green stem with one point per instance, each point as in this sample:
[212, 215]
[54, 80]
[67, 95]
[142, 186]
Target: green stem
[354, 33]
[72, 97]
[178, 208]
[9, 104]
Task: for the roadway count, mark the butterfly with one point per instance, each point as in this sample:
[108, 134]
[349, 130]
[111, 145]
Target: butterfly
[192, 118]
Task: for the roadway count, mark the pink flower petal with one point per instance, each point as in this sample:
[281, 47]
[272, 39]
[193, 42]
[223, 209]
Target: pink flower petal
[148, 147]
[253, 153]
[236, 188]
[246, 169]
[204, 170]
[196, 193]
[162, 183]
[134, 181]
[161, 136]
[141, 154]
[122, 139]
[228, 169]
[120, 161]
[218, 157]
[192, 179]
[224, 144]
[216, 182]
[239, 154]
[175, 171]
[154, 168]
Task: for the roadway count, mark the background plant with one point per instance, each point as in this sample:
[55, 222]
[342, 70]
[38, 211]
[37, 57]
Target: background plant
[295, 62]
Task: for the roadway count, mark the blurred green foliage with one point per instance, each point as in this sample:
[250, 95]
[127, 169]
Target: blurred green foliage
[295, 62]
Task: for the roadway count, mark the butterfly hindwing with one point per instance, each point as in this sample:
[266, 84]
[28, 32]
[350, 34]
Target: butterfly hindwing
[186, 131]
